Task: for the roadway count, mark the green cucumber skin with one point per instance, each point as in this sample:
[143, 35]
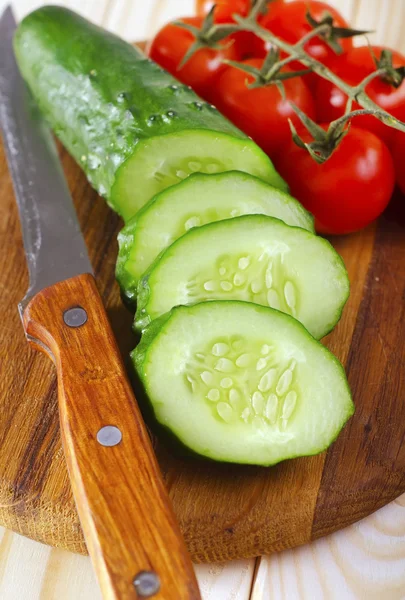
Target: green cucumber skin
[128, 234]
[139, 357]
[102, 96]
[134, 367]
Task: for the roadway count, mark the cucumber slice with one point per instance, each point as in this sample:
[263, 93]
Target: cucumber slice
[163, 161]
[237, 382]
[253, 258]
[132, 127]
[198, 200]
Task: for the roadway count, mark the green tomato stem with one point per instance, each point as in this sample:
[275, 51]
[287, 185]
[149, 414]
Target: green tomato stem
[297, 52]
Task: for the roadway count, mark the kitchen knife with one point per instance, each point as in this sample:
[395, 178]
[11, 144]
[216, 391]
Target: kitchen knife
[129, 526]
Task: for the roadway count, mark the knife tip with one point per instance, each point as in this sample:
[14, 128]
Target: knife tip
[7, 18]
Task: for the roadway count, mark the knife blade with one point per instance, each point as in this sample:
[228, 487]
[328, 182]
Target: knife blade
[130, 529]
[53, 242]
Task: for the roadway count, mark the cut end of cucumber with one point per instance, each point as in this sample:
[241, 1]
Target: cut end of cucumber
[253, 258]
[162, 161]
[196, 201]
[241, 383]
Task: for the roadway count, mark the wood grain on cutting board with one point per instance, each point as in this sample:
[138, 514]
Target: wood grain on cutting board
[128, 25]
[225, 511]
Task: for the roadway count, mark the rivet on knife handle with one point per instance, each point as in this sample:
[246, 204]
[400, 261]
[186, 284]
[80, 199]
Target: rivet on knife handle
[129, 527]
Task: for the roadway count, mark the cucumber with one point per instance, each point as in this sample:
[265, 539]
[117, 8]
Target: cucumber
[253, 258]
[132, 127]
[198, 200]
[237, 382]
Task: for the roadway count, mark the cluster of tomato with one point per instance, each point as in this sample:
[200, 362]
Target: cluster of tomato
[354, 186]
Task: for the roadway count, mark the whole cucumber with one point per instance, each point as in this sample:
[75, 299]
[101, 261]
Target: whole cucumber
[132, 127]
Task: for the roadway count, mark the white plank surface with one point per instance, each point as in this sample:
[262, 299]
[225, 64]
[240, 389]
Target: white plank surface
[33, 571]
[365, 561]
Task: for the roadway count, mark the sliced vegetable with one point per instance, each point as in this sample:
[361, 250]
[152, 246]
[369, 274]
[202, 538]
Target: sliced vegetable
[236, 382]
[349, 190]
[253, 258]
[198, 200]
[133, 128]
[165, 160]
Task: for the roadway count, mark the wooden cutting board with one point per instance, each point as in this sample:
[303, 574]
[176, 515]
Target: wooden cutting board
[225, 511]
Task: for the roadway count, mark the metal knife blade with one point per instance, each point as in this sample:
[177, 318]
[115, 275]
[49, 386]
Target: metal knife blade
[53, 242]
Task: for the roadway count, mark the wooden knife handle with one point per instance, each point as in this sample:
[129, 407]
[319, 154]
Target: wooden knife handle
[129, 526]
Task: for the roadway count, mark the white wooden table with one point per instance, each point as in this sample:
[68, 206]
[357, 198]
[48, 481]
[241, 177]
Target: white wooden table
[365, 561]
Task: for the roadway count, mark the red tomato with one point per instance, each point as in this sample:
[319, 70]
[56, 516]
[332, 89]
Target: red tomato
[244, 40]
[398, 154]
[225, 9]
[171, 44]
[288, 22]
[261, 112]
[353, 68]
[349, 190]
